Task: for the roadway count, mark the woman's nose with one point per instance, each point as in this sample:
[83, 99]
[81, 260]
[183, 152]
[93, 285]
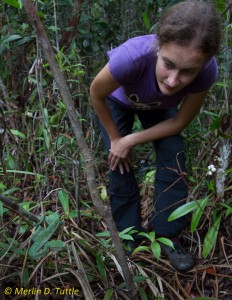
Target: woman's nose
[173, 79]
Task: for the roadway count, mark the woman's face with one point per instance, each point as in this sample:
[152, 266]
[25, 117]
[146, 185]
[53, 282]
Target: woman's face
[177, 66]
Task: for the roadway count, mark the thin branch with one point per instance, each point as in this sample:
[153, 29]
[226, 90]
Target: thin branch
[85, 152]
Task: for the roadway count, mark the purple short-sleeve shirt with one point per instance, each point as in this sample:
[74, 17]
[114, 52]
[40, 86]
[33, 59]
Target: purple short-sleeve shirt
[132, 64]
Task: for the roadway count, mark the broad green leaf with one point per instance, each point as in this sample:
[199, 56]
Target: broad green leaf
[13, 3]
[27, 173]
[51, 217]
[18, 133]
[103, 193]
[11, 38]
[211, 237]
[127, 237]
[225, 136]
[165, 241]
[184, 210]
[101, 267]
[64, 200]
[156, 250]
[46, 117]
[141, 249]
[5, 247]
[56, 245]
[211, 186]
[11, 162]
[198, 213]
[2, 187]
[105, 233]
[105, 243]
[128, 230]
[146, 21]
[25, 276]
[152, 236]
[46, 138]
[149, 177]
[142, 294]
[228, 209]
[53, 28]
[140, 278]
[11, 191]
[146, 235]
[108, 294]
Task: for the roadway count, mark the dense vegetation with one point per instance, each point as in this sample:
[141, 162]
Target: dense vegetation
[43, 173]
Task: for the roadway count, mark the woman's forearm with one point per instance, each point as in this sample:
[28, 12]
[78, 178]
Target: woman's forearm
[164, 129]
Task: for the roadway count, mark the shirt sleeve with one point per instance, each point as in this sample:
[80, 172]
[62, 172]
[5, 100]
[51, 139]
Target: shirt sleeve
[205, 79]
[122, 66]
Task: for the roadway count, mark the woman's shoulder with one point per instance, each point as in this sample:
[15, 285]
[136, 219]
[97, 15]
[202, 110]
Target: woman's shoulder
[135, 47]
[129, 60]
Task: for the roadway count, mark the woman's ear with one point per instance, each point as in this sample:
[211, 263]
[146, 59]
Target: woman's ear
[157, 46]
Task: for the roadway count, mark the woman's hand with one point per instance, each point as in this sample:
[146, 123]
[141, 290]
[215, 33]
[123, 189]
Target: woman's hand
[119, 155]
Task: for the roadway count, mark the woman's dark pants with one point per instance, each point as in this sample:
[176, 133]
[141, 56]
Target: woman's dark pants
[170, 180]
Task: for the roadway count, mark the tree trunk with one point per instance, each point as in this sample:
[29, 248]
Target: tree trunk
[73, 117]
[68, 36]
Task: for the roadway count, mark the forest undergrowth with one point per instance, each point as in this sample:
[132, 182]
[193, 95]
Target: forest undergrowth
[53, 242]
[86, 260]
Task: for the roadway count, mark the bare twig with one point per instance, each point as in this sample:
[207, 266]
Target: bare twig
[73, 117]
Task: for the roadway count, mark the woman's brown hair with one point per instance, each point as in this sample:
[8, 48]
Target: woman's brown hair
[191, 22]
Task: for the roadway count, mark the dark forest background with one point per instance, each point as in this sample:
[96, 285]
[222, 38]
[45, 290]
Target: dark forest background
[44, 171]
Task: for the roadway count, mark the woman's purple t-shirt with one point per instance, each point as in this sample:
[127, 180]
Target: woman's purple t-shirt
[132, 64]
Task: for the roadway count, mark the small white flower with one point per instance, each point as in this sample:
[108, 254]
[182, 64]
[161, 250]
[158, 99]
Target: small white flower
[209, 173]
[212, 168]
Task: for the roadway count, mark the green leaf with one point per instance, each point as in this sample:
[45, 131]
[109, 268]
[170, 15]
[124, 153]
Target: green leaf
[143, 294]
[126, 237]
[156, 249]
[2, 187]
[11, 38]
[18, 133]
[184, 210]
[149, 177]
[108, 294]
[128, 230]
[25, 276]
[64, 200]
[140, 278]
[56, 245]
[211, 237]
[198, 213]
[146, 235]
[140, 249]
[53, 28]
[225, 136]
[46, 138]
[105, 233]
[165, 241]
[101, 267]
[228, 209]
[103, 193]
[11, 162]
[146, 21]
[27, 173]
[13, 248]
[13, 3]
[1, 209]
[152, 236]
